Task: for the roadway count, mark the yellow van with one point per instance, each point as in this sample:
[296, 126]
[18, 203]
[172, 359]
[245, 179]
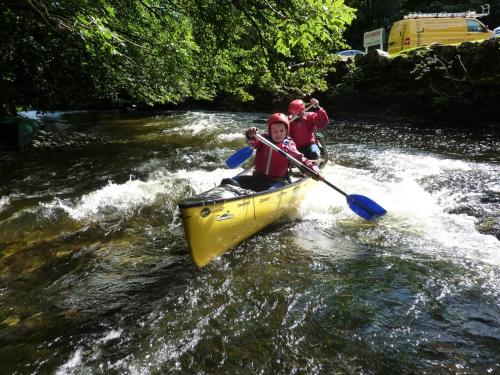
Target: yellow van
[421, 29]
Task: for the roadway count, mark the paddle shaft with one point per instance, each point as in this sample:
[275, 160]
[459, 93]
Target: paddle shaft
[333, 186]
[297, 162]
[295, 117]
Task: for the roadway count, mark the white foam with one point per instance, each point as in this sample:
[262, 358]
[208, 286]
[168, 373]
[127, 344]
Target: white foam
[30, 114]
[196, 123]
[46, 115]
[204, 124]
[418, 166]
[70, 366]
[324, 203]
[230, 137]
[4, 202]
[114, 198]
[111, 335]
[125, 198]
[199, 180]
[415, 211]
[414, 214]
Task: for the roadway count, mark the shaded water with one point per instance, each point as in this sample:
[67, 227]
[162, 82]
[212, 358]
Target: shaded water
[95, 276]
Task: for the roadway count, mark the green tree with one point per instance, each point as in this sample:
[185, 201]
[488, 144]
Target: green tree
[78, 53]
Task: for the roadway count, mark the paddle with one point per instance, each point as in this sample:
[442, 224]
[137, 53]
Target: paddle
[361, 205]
[244, 153]
[239, 157]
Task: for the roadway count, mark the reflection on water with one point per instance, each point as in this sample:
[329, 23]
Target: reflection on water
[95, 276]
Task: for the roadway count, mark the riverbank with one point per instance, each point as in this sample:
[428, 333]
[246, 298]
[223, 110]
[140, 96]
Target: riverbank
[452, 85]
[434, 86]
[441, 85]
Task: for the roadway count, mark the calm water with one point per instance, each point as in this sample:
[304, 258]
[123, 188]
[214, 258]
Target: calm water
[95, 275]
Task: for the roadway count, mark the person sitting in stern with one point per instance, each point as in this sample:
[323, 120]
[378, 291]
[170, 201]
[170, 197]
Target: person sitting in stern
[303, 128]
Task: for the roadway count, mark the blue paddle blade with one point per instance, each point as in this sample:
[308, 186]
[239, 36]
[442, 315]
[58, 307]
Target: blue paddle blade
[365, 207]
[239, 157]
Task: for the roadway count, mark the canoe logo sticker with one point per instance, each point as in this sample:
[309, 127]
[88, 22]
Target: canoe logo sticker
[205, 212]
[228, 215]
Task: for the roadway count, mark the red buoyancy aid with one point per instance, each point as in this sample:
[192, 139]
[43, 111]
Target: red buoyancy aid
[302, 130]
[271, 164]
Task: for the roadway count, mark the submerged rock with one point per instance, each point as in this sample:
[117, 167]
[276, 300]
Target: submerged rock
[55, 140]
[489, 225]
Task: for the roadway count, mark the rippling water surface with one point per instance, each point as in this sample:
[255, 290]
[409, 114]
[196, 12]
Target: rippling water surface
[95, 275]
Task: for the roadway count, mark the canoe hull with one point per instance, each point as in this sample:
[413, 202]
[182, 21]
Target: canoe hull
[212, 228]
[217, 220]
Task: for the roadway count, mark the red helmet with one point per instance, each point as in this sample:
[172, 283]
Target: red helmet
[295, 107]
[278, 117]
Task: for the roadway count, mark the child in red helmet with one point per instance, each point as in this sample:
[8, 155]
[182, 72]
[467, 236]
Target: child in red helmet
[271, 168]
[302, 129]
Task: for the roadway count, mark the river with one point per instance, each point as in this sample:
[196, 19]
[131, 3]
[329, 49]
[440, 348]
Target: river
[96, 278]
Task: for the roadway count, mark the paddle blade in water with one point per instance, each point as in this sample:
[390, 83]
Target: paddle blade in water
[239, 157]
[365, 207]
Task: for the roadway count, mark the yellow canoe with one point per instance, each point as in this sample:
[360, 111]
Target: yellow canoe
[220, 218]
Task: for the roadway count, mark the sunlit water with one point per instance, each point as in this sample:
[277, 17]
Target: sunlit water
[95, 275]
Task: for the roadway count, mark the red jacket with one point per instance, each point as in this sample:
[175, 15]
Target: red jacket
[270, 163]
[302, 130]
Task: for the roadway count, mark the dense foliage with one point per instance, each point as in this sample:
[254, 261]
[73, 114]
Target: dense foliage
[76, 53]
[111, 53]
[443, 83]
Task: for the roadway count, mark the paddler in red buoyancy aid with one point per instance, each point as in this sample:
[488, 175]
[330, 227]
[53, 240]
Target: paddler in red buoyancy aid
[271, 168]
[302, 129]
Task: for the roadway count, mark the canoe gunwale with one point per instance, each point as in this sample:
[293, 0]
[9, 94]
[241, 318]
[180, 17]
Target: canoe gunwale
[211, 202]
